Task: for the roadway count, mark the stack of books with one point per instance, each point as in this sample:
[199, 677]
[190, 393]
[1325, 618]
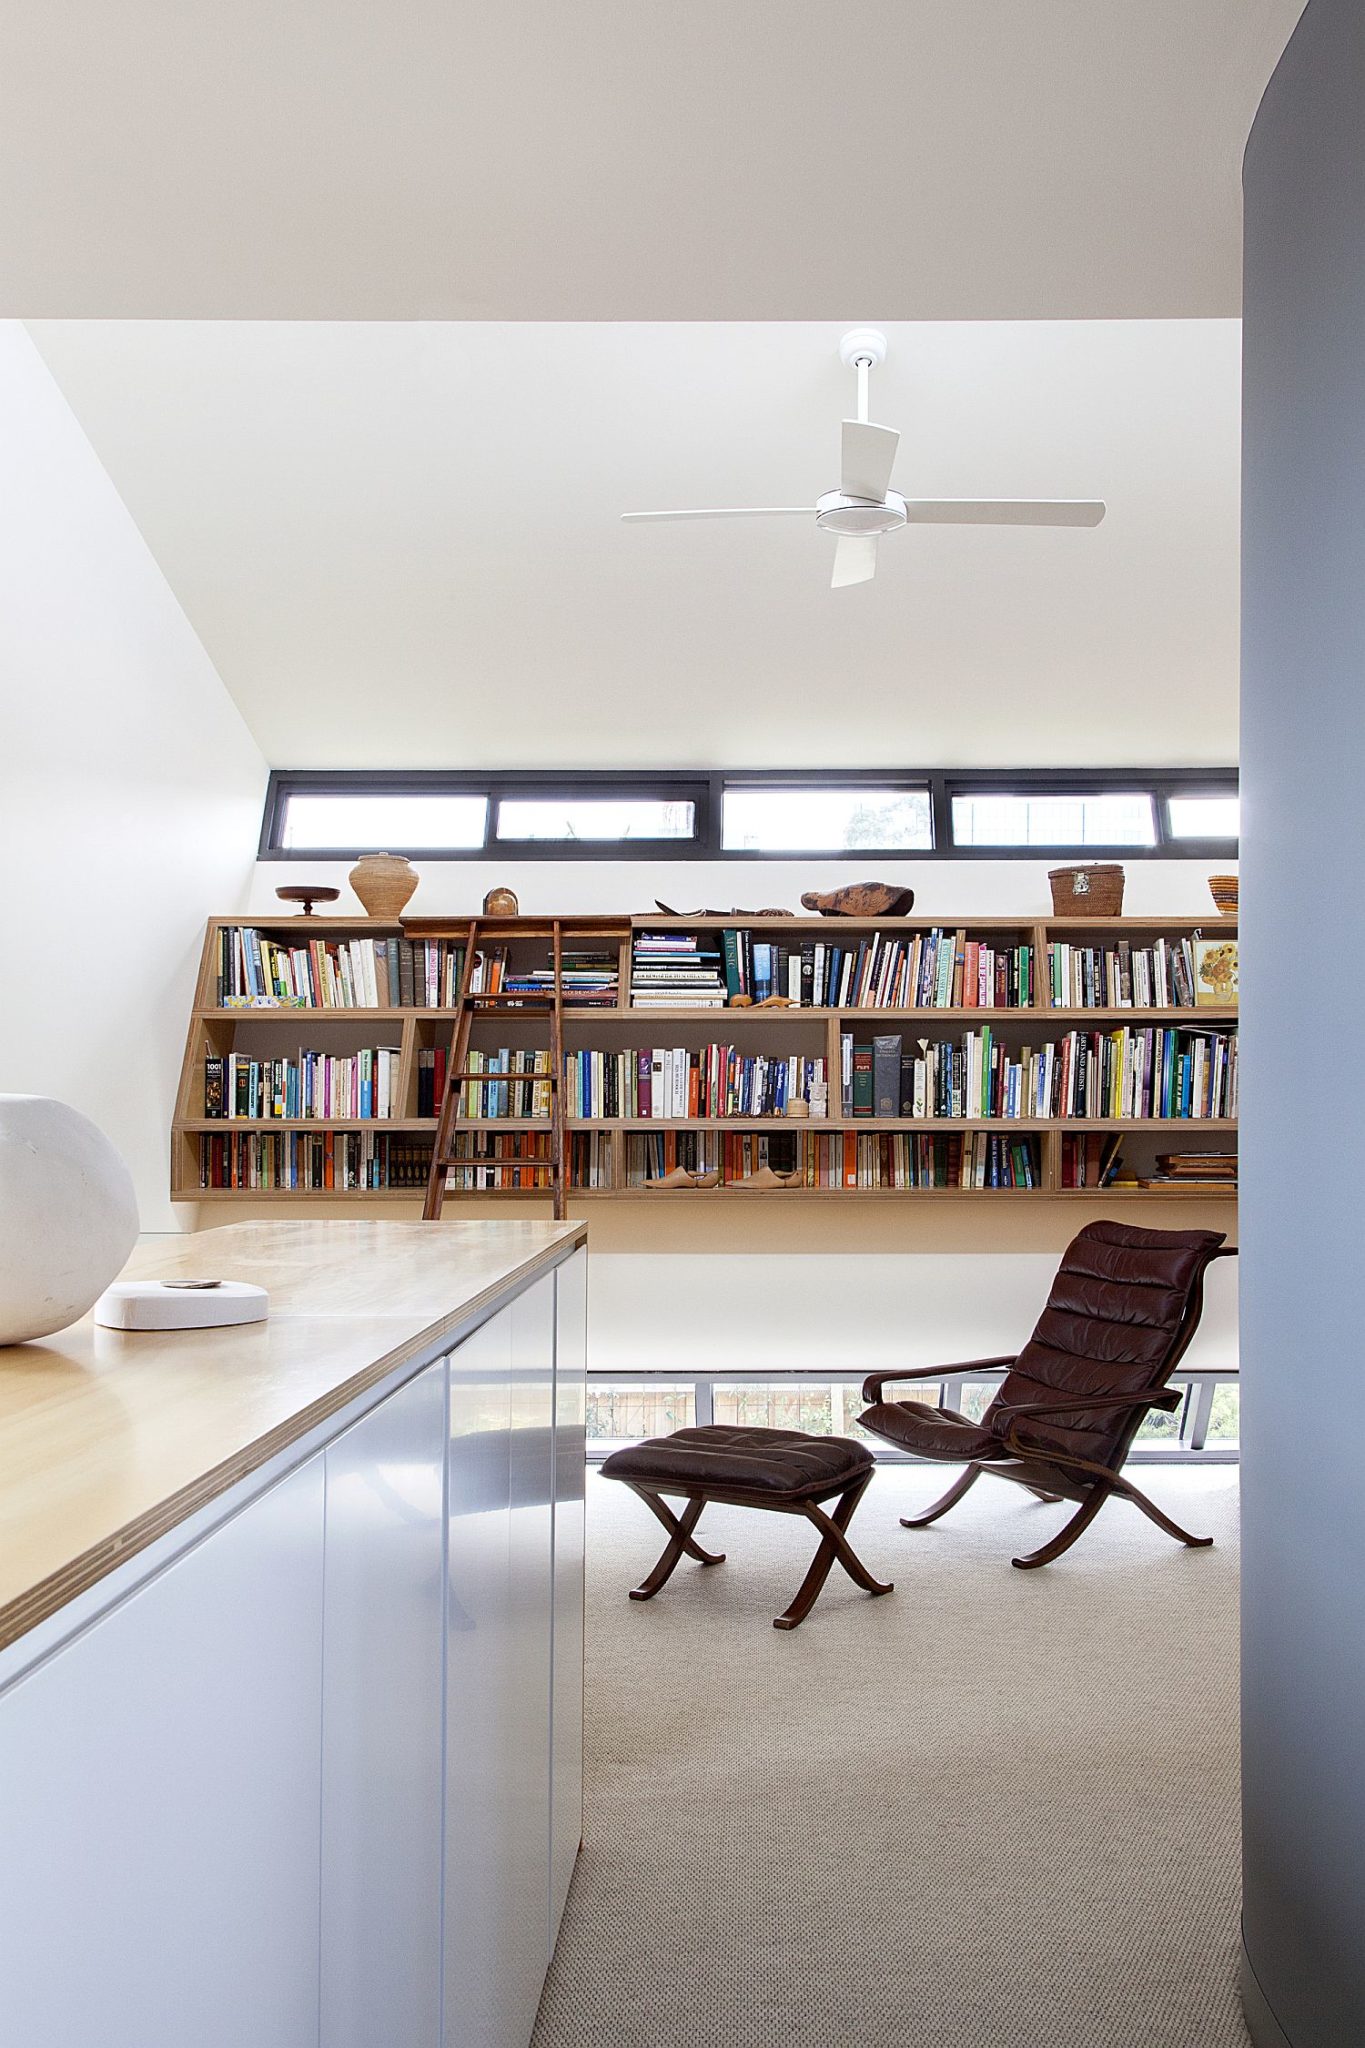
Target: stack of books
[589, 980]
[1194, 1169]
[675, 971]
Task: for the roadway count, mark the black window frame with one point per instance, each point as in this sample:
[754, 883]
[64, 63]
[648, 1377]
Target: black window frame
[705, 790]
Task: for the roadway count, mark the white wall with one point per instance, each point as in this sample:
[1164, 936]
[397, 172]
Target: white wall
[871, 1285]
[130, 789]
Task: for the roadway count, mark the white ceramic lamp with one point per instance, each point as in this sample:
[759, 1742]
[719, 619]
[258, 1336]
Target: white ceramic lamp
[68, 1216]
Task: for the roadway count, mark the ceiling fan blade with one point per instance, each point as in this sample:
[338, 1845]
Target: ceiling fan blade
[855, 560]
[868, 455]
[733, 512]
[1004, 511]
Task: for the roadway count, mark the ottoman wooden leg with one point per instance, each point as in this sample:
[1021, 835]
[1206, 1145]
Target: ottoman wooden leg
[835, 1544]
[681, 1541]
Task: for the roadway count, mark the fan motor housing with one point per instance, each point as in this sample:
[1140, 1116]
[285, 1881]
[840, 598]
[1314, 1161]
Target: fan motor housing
[863, 516]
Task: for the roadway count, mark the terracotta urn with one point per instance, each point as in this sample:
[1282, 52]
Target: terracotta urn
[383, 882]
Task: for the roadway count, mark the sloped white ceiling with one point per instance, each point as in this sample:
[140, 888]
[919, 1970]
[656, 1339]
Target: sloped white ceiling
[400, 543]
[628, 159]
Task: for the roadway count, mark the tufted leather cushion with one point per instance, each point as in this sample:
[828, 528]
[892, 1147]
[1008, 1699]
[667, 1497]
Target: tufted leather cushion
[931, 1432]
[735, 1460]
[1112, 1321]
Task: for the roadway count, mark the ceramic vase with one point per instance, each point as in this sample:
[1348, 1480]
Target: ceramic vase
[383, 882]
[68, 1216]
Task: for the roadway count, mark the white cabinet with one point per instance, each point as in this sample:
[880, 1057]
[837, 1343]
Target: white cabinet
[383, 1677]
[498, 1674]
[570, 1464]
[159, 1795]
[317, 1783]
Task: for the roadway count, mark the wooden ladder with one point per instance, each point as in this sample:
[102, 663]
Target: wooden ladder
[474, 1003]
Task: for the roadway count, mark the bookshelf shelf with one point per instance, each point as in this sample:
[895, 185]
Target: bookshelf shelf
[263, 1148]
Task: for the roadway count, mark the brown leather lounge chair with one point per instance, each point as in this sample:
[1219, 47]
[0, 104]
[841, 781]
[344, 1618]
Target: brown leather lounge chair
[1123, 1307]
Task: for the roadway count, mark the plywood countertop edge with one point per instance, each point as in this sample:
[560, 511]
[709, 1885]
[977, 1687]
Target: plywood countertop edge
[47, 1596]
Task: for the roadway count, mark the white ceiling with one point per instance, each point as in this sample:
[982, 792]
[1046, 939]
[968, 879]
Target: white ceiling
[400, 543]
[627, 159]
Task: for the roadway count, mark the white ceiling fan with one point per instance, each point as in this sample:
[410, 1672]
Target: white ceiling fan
[864, 507]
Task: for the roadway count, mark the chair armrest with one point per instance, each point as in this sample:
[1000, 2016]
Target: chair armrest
[1071, 1460]
[1167, 1398]
[875, 1381]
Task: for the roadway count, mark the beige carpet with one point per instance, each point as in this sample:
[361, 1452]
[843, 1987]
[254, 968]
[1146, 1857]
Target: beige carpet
[994, 1810]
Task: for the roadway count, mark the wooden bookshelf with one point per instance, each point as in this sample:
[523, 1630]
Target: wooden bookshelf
[810, 1032]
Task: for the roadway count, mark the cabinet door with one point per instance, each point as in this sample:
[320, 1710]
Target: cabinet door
[383, 1673]
[570, 1464]
[533, 1416]
[159, 1800]
[478, 1894]
[498, 1675]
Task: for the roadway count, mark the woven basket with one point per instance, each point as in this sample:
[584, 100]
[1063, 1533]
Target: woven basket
[1093, 891]
[1223, 889]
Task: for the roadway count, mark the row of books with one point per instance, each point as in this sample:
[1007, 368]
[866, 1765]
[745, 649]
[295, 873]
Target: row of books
[327, 1086]
[841, 1159]
[935, 969]
[258, 972]
[673, 1082]
[526, 1095]
[589, 1162]
[1124, 976]
[1090, 1160]
[931, 970]
[313, 1162]
[1170, 1071]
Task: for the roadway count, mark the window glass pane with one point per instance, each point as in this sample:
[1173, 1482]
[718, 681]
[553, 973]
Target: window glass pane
[825, 820]
[391, 824]
[1109, 818]
[595, 818]
[1205, 817]
[620, 1414]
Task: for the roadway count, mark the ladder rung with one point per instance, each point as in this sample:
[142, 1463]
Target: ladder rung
[482, 1074]
[499, 1159]
[512, 1002]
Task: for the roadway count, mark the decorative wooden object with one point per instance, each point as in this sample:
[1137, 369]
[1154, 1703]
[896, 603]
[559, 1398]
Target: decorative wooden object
[500, 903]
[862, 899]
[1223, 889]
[384, 882]
[307, 893]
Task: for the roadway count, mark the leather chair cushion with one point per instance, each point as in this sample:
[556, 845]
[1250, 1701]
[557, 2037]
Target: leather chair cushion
[737, 1460]
[931, 1432]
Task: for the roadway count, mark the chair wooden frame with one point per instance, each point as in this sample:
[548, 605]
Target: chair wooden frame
[1051, 1472]
[833, 1528]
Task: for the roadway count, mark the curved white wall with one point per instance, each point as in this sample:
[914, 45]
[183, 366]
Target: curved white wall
[130, 789]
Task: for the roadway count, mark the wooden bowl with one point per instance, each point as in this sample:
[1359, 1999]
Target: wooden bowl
[1223, 889]
[307, 893]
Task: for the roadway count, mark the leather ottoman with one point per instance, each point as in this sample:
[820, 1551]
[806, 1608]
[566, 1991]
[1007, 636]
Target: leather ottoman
[777, 1469]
